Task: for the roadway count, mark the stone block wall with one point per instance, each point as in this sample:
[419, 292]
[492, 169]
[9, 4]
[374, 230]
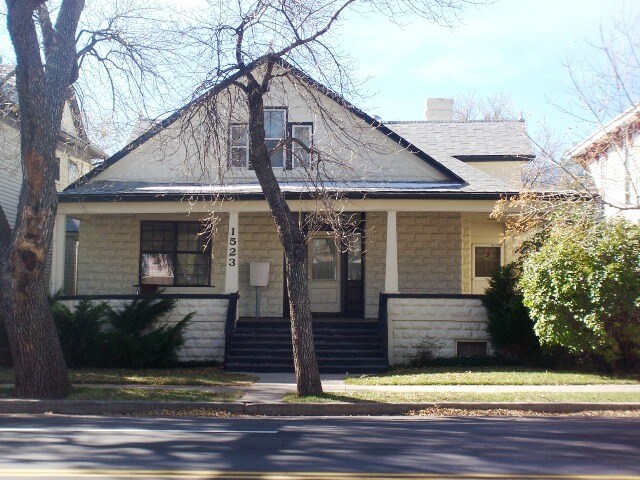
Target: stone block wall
[204, 336]
[429, 259]
[429, 254]
[258, 241]
[435, 323]
[108, 254]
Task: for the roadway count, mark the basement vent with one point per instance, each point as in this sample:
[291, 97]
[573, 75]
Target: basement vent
[471, 349]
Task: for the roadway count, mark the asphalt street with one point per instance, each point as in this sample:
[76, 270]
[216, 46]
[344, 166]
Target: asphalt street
[392, 447]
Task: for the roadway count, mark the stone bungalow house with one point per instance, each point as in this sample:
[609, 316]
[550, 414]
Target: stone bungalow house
[421, 192]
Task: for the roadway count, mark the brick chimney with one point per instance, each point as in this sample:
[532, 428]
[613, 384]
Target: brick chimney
[438, 109]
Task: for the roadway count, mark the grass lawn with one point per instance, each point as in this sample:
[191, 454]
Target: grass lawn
[486, 376]
[208, 377]
[387, 397]
[148, 394]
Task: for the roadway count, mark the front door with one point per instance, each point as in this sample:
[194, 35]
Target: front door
[324, 274]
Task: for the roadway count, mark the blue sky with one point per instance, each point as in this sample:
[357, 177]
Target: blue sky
[513, 46]
[516, 46]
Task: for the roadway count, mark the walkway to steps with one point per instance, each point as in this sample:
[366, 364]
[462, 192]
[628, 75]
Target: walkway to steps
[342, 346]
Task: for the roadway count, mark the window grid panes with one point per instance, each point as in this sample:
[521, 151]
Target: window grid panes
[487, 261]
[324, 256]
[174, 253]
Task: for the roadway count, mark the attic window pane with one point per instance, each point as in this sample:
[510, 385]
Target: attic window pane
[277, 156]
[239, 141]
[301, 157]
[274, 123]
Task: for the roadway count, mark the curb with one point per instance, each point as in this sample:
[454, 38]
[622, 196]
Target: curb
[116, 407]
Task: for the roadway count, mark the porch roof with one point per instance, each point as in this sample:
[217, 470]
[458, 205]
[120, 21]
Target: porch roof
[99, 191]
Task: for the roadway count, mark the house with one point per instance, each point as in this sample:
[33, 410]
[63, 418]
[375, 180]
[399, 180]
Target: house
[74, 155]
[611, 155]
[419, 193]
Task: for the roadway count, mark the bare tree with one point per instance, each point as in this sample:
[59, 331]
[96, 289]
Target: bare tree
[499, 106]
[595, 159]
[258, 48]
[50, 49]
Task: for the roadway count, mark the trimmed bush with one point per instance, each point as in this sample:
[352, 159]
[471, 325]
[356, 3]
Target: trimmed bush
[93, 334]
[583, 291]
[132, 342]
[80, 332]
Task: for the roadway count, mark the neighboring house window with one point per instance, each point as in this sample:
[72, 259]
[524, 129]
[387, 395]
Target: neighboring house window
[275, 129]
[174, 253]
[73, 171]
[301, 157]
[57, 171]
[487, 260]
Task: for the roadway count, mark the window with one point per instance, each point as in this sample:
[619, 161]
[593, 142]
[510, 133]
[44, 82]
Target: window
[324, 257]
[300, 156]
[487, 260]
[471, 348]
[73, 171]
[174, 253]
[354, 257]
[57, 168]
[239, 143]
[275, 129]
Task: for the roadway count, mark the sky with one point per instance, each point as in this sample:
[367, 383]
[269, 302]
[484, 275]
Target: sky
[519, 47]
[516, 46]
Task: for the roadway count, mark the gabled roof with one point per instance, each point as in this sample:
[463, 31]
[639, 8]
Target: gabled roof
[450, 142]
[339, 99]
[474, 138]
[598, 142]
[10, 106]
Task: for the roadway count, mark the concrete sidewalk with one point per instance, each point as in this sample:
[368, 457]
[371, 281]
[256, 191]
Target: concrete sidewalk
[272, 386]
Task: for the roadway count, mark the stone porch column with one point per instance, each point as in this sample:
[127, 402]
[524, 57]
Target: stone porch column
[231, 273]
[56, 280]
[391, 265]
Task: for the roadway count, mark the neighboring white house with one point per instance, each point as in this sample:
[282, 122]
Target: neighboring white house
[74, 155]
[611, 155]
[421, 194]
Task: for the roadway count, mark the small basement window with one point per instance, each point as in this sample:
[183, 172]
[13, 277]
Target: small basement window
[466, 348]
[487, 260]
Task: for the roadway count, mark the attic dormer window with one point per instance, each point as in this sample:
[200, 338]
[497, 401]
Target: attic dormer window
[276, 129]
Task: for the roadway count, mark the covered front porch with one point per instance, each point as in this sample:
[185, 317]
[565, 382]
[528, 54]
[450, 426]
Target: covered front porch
[407, 247]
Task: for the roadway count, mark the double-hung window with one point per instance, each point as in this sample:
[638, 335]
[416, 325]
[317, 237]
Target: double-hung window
[283, 154]
[174, 253]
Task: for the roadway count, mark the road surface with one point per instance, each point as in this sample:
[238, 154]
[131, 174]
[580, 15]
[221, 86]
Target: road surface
[392, 447]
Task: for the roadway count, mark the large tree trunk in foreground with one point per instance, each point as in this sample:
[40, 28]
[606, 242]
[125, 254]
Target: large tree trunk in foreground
[40, 368]
[295, 253]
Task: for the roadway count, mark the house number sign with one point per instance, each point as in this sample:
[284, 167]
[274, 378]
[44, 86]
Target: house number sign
[233, 247]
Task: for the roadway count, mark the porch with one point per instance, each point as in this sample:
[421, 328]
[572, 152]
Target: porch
[417, 248]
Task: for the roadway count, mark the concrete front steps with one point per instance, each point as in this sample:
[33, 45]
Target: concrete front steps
[342, 347]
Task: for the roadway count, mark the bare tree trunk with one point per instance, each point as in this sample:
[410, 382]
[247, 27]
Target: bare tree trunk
[40, 368]
[295, 252]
